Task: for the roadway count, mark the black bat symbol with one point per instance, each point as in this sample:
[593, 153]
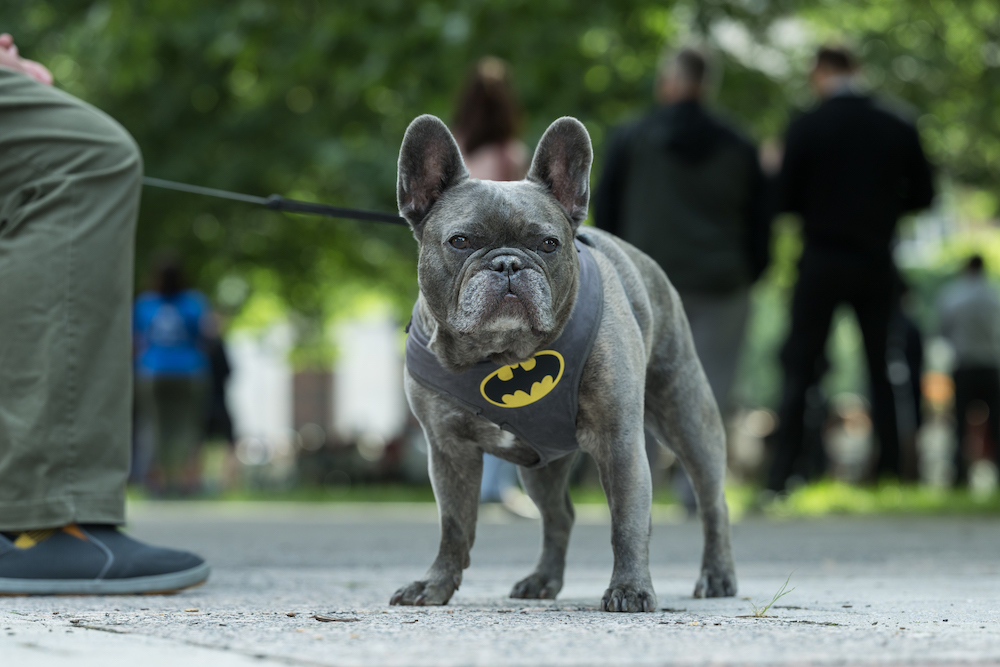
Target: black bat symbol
[502, 386]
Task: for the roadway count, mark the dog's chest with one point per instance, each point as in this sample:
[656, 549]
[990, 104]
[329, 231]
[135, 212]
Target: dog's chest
[535, 400]
[507, 446]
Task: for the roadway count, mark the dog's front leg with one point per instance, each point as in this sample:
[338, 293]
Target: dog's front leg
[621, 461]
[547, 487]
[456, 471]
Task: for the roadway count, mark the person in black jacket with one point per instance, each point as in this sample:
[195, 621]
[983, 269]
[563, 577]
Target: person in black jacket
[851, 168]
[687, 189]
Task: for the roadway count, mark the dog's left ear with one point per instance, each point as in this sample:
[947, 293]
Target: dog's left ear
[562, 165]
[429, 163]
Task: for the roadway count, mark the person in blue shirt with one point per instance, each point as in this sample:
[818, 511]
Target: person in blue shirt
[171, 368]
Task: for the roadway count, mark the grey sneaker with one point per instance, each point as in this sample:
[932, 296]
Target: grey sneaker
[92, 559]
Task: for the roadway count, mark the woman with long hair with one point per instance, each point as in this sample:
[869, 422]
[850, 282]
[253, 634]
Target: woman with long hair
[487, 124]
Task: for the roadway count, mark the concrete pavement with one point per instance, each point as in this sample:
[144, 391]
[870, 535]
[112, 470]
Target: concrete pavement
[866, 591]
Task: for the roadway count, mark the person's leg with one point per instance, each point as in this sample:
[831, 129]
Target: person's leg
[963, 396]
[489, 487]
[144, 468]
[499, 478]
[717, 326]
[816, 296]
[991, 396]
[872, 303]
[69, 192]
[70, 181]
[173, 396]
[194, 435]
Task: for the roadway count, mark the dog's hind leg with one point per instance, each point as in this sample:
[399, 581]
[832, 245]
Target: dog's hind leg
[681, 412]
[548, 487]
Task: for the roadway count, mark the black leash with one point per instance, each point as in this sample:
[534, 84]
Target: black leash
[278, 203]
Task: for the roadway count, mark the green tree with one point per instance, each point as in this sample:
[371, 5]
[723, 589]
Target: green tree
[310, 99]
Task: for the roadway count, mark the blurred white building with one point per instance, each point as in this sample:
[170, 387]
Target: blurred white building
[359, 400]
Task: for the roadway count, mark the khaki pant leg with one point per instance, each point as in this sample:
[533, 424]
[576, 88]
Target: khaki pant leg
[70, 180]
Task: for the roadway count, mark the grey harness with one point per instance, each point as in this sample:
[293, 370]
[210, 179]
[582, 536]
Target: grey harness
[537, 399]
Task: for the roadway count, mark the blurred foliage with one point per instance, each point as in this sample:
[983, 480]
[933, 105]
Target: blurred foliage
[310, 99]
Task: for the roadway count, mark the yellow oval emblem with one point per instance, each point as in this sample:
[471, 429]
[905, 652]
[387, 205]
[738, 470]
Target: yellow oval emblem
[524, 383]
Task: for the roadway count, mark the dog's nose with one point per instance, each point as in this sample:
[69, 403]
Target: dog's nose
[506, 264]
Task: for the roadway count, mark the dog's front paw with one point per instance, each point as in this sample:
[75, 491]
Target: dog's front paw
[537, 586]
[421, 593]
[715, 584]
[629, 597]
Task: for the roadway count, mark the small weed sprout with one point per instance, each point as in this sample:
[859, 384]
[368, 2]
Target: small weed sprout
[760, 612]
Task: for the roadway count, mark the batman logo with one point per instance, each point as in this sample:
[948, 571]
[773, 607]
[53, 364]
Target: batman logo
[524, 383]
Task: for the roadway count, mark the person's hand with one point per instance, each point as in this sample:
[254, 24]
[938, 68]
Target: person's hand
[10, 58]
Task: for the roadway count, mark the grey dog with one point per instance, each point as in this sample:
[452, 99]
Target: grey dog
[499, 281]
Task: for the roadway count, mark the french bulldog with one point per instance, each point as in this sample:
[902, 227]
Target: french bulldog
[500, 270]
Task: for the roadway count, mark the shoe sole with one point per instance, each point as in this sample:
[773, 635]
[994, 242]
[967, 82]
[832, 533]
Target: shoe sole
[160, 584]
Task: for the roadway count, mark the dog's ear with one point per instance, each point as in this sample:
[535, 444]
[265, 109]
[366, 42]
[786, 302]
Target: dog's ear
[562, 165]
[429, 163]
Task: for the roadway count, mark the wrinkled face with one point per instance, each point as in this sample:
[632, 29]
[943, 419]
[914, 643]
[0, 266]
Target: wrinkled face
[498, 269]
[498, 257]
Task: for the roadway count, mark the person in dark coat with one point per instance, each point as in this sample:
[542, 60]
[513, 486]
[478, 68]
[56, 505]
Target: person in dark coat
[851, 168]
[905, 362]
[218, 421]
[687, 189]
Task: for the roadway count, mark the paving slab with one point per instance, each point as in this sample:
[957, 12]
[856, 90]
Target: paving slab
[873, 591]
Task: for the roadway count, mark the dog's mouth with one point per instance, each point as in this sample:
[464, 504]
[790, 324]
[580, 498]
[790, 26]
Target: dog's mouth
[492, 302]
[502, 307]
[508, 307]
[511, 304]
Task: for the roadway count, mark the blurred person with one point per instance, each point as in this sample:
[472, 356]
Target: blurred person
[969, 318]
[218, 420]
[218, 424]
[685, 187]
[486, 126]
[170, 330]
[905, 358]
[69, 198]
[851, 168]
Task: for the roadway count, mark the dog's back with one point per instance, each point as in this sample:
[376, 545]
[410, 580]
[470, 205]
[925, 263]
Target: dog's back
[656, 305]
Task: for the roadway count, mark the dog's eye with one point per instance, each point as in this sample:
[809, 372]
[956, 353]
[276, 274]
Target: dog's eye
[550, 245]
[459, 242]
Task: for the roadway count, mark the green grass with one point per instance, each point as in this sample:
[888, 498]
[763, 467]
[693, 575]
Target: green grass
[832, 497]
[761, 611]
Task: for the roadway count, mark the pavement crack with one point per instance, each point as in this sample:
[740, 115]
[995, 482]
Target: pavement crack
[104, 628]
